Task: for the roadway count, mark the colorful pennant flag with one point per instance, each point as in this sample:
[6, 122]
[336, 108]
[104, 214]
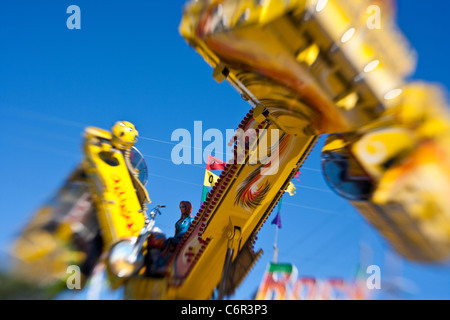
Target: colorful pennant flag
[214, 163]
[210, 179]
[277, 220]
[290, 189]
[204, 194]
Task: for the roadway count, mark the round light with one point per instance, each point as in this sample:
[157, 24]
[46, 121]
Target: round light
[348, 35]
[392, 94]
[371, 65]
[247, 14]
[321, 5]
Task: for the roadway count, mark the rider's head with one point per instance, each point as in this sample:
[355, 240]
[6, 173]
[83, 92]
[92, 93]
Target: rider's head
[185, 208]
[124, 135]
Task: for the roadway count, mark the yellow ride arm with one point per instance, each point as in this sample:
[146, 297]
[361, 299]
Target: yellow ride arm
[308, 67]
[119, 210]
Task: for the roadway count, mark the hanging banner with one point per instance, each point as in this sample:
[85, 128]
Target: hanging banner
[280, 282]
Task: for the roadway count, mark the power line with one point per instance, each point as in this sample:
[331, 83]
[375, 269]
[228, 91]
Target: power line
[318, 252]
[169, 160]
[315, 209]
[313, 188]
[160, 141]
[321, 226]
[180, 145]
[217, 152]
[65, 122]
[176, 180]
[33, 115]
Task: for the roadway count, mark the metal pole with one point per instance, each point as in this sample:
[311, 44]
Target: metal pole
[225, 274]
[275, 248]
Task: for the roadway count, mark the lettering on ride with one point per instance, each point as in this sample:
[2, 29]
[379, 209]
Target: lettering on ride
[191, 251]
[194, 247]
[124, 211]
[283, 284]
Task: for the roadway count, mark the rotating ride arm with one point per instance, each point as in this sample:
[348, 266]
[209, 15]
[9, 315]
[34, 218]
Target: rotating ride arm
[397, 173]
[308, 67]
[320, 67]
[102, 202]
[296, 67]
[119, 196]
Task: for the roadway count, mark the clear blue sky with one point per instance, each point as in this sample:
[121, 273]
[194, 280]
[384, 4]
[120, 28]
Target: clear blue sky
[128, 62]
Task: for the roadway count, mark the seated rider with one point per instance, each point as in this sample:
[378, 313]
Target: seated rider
[159, 252]
[182, 225]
